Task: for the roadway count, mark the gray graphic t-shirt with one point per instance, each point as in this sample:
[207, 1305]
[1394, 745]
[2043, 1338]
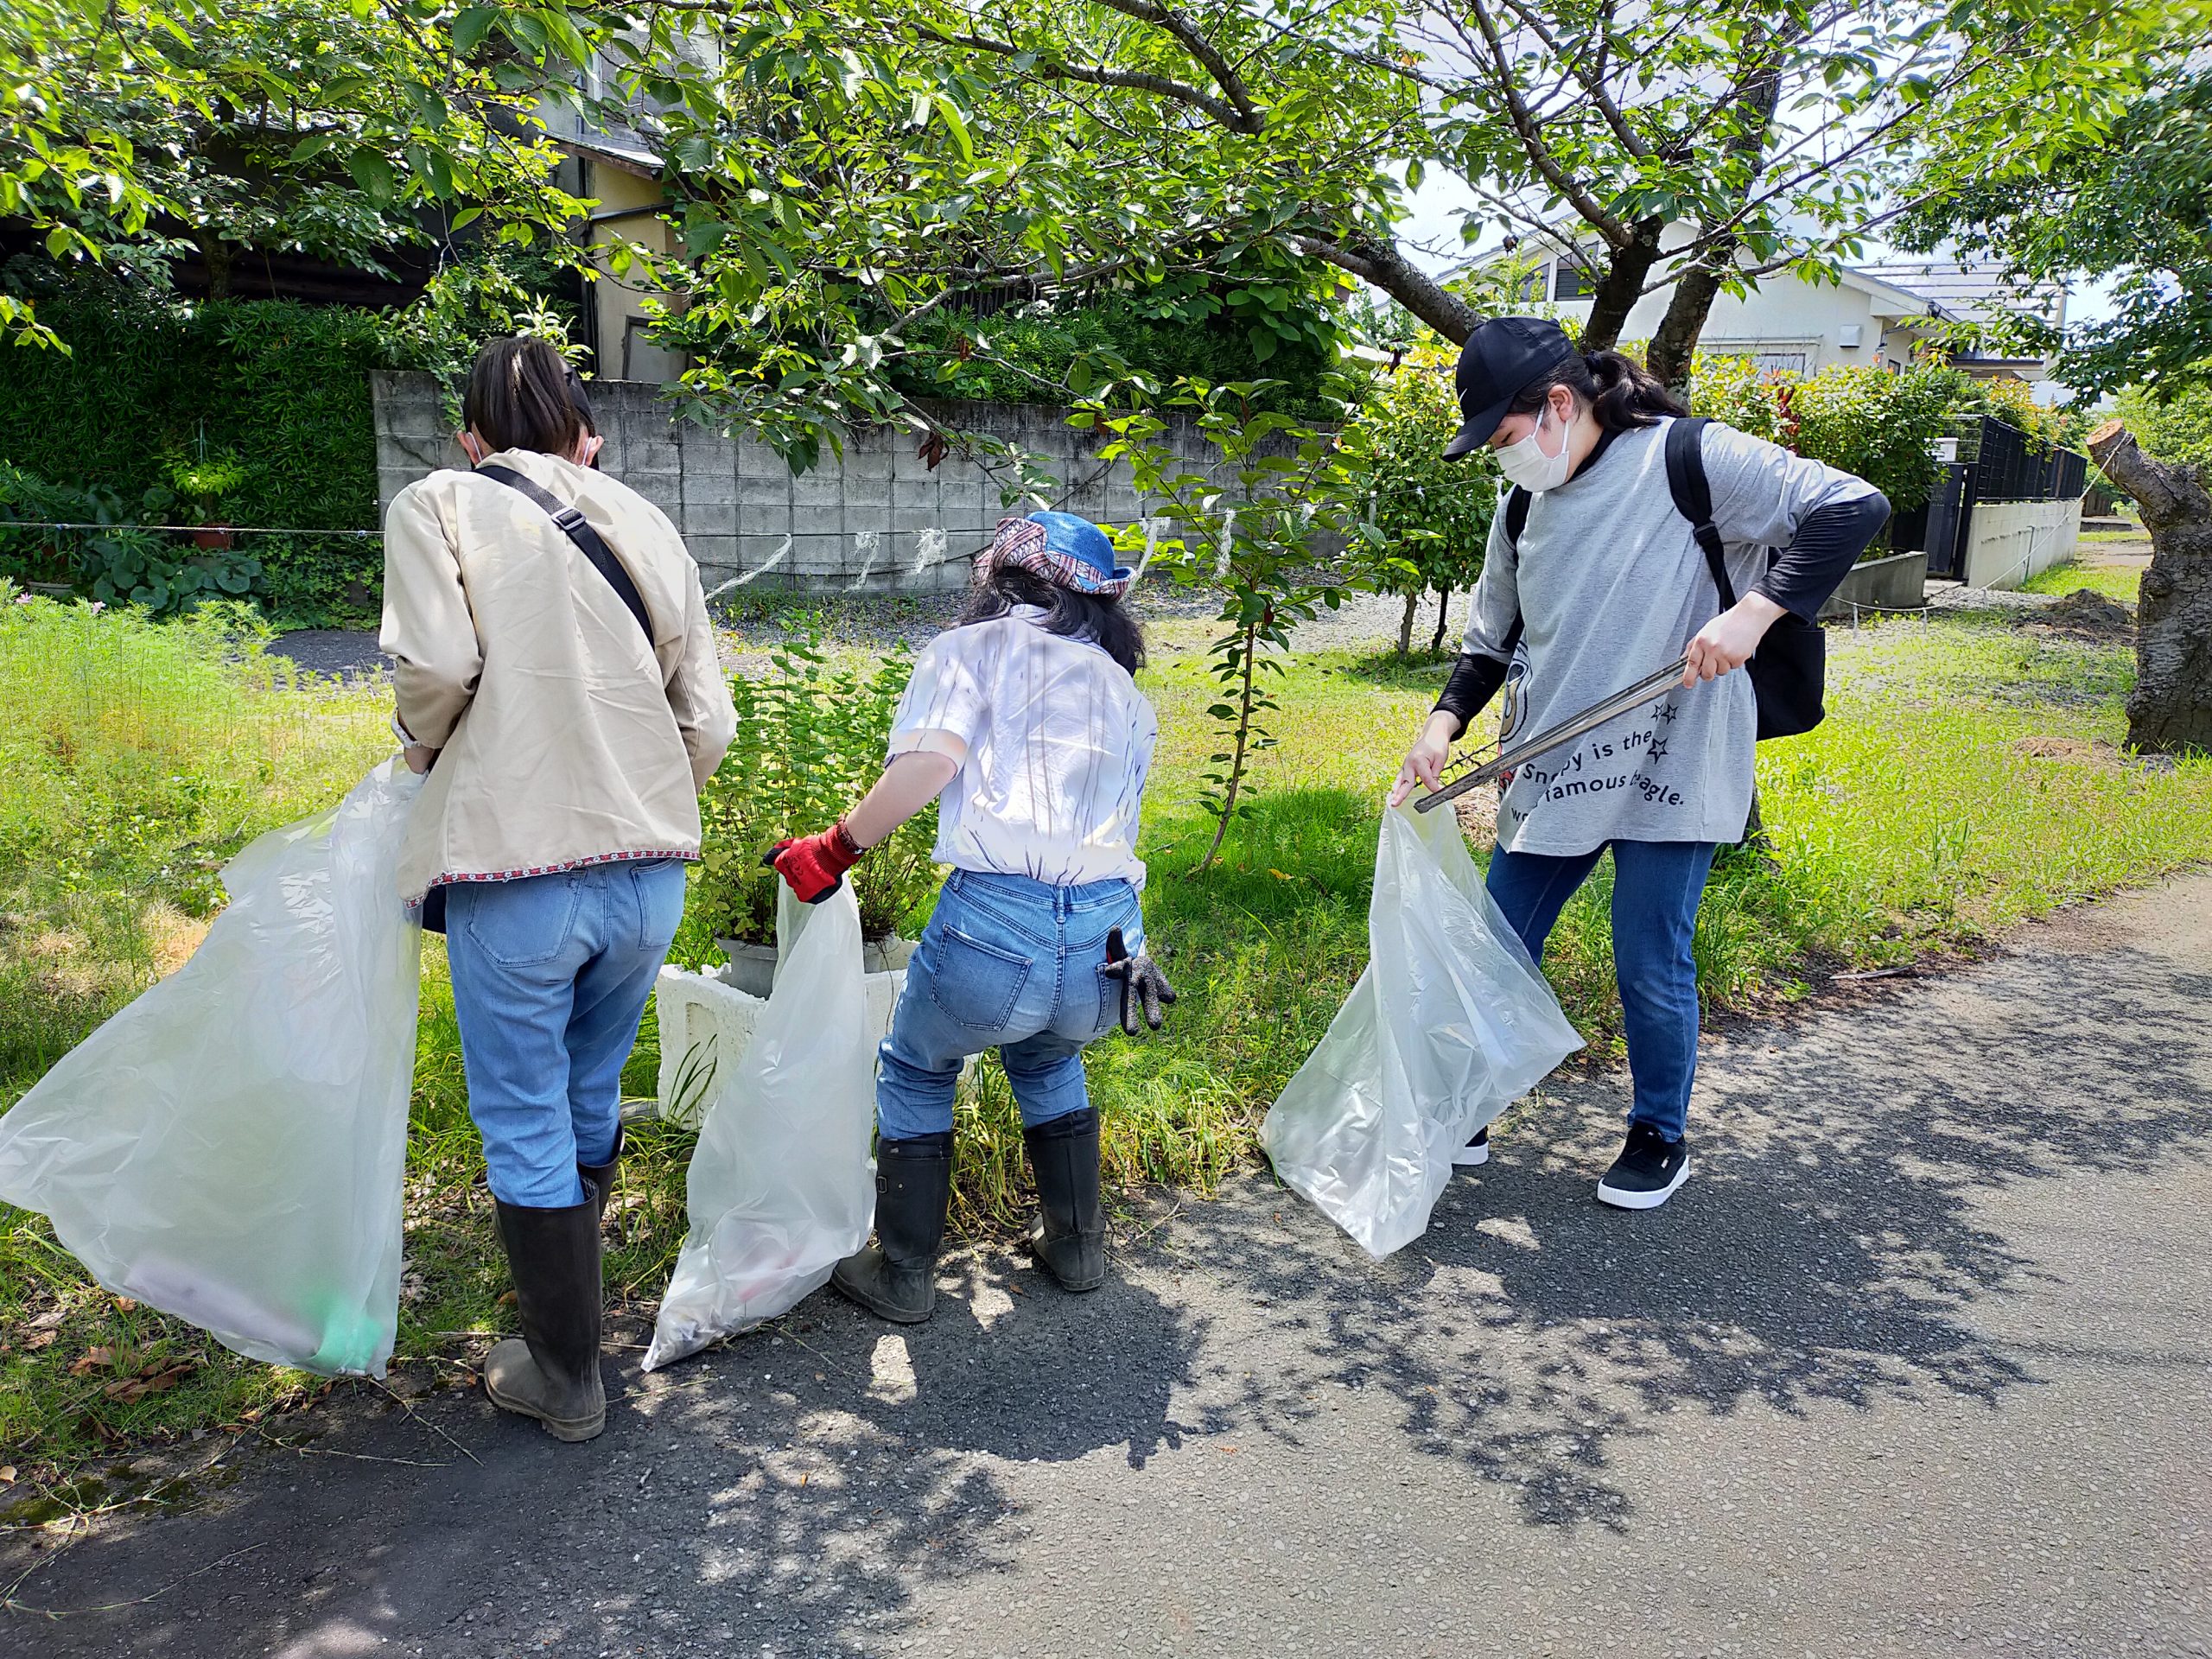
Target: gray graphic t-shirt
[1611, 587]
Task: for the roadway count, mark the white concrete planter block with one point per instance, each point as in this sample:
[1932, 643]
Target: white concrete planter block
[752, 967]
[706, 1023]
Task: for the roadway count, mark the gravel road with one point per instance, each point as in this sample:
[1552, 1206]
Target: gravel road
[1917, 1364]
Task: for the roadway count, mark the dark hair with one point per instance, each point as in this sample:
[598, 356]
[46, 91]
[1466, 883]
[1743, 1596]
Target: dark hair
[1620, 391]
[1067, 614]
[518, 398]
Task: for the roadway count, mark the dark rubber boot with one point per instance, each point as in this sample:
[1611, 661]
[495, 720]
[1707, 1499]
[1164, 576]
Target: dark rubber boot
[551, 1372]
[1069, 1236]
[598, 1178]
[895, 1278]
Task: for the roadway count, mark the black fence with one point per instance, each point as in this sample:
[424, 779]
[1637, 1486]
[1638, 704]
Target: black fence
[2010, 466]
[2004, 464]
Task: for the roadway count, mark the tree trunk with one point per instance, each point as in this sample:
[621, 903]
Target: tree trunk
[1406, 624]
[1675, 342]
[1443, 613]
[216, 258]
[2169, 711]
[1622, 286]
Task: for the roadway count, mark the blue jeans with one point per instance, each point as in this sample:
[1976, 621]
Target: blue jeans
[1009, 964]
[1657, 887]
[550, 975]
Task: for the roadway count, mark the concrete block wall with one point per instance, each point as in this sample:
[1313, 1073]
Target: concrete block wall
[878, 519]
[2008, 542]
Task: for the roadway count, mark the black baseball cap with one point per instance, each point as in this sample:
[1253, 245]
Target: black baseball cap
[1501, 357]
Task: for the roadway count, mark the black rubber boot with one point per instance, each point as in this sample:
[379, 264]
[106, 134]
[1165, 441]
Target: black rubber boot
[598, 1178]
[895, 1278]
[1068, 1234]
[551, 1372]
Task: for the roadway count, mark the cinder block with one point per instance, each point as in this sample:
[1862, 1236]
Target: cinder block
[764, 518]
[709, 517]
[821, 487]
[651, 455]
[871, 466]
[704, 484]
[916, 493]
[664, 490]
[866, 516]
[717, 557]
[756, 460]
[818, 520]
[818, 553]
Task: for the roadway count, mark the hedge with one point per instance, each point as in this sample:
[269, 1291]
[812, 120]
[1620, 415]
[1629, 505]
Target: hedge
[282, 386]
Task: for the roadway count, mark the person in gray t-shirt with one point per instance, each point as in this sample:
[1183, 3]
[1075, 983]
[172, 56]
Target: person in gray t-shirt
[1604, 585]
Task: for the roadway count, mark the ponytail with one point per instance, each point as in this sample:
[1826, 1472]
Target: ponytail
[1621, 393]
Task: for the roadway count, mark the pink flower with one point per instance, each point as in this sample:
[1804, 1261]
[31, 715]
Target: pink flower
[22, 599]
[100, 605]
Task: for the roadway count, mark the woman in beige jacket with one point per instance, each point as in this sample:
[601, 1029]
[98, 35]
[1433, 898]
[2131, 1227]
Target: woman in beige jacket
[555, 676]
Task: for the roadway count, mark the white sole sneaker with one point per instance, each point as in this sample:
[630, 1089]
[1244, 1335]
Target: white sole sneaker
[1469, 1157]
[1623, 1198]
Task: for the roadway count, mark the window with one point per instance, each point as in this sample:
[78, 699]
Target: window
[1571, 282]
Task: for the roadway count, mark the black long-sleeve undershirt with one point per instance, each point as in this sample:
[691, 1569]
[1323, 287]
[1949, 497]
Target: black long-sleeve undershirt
[1828, 542]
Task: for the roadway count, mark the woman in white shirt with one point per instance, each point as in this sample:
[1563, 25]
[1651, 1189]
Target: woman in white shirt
[1024, 718]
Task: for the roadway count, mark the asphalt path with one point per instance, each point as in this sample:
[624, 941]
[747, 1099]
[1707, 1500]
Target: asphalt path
[1917, 1364]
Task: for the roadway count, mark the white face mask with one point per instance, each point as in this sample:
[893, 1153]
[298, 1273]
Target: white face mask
[1526, 464]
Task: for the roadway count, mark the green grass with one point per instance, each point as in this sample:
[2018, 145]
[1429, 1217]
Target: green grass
[1969, 776]
[2103, 537]
[2122, 582]
[136, 759]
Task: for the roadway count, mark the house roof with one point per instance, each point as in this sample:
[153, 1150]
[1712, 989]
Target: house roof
[627, 154]
[1972, 293]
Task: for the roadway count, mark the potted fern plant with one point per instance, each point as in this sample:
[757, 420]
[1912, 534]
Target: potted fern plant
[203, 482]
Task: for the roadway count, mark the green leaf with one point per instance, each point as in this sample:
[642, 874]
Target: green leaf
[470, 26]
[375, 175]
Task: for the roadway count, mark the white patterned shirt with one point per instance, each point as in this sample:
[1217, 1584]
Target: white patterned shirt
[1053, 742]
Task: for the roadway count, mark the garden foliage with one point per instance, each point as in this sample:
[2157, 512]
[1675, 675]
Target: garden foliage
[1426, 520]
[811, 739]
[2178, 428]
[1256, 526]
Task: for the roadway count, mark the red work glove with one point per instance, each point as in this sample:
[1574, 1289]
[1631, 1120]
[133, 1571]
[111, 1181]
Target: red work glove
[815, 865]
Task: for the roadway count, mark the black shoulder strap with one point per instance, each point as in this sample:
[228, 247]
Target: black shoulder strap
[1517, 520]
[578, 530]
[1692, 496]
[1516, 514]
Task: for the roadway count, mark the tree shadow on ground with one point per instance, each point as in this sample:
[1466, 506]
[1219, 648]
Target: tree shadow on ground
[1827, 1253]
[782, 1494]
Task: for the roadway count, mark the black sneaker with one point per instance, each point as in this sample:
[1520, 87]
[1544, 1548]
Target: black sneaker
[1648, 1171]
[1477, 1151]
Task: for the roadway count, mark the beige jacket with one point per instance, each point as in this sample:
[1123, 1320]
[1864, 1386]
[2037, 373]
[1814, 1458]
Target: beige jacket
[563, 740]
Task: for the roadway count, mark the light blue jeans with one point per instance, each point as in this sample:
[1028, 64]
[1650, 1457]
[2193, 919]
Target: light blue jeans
[550, 975]
[1657, 886]
[1013, 965]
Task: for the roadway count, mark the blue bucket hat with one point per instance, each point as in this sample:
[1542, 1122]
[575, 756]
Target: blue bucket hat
[1066, 550]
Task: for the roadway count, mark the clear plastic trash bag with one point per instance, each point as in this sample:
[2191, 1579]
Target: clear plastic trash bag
[230, 1148]
[781, 1185]
[1450, 1021]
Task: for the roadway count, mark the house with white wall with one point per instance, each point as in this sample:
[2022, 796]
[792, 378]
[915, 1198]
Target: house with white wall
[1883, 315]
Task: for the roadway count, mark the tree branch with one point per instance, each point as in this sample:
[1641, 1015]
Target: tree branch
[1132, 79]
[1531, 137]
[1377, 261]
[1251, 118]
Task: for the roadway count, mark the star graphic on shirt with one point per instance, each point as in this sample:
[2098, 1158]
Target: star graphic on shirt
[1658, 748]
[1668, 711]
